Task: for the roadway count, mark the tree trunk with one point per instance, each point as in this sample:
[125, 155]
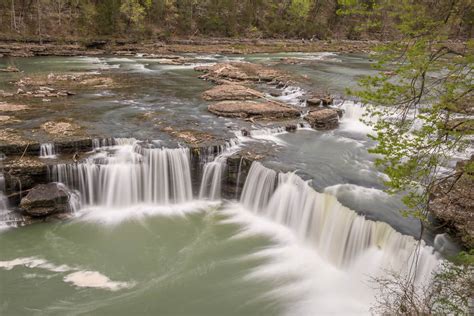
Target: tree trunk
[39, 20]
[13, 21]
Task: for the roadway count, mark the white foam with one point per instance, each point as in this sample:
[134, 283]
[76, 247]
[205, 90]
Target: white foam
[306, 283]
[116, 215]
[80, 278]
[94, 279]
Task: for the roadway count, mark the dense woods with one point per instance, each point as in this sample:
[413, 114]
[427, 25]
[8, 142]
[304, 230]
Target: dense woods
[309, 19]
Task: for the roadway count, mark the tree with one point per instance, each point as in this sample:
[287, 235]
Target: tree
[415, 106]
[135, 11]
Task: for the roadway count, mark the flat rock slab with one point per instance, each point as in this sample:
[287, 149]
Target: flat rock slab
[46, 199]
[9, 107]
[231, 92]
[257, 109]
[240, 71]
[323, 119]
[61, 128]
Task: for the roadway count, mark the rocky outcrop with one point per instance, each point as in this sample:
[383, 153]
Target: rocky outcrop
[324, 100]
[452, 202]
[23, 174]
[231, 92]
[46, 199]
[240, 72]
[62, 146]
[253, 109]
[323, 119]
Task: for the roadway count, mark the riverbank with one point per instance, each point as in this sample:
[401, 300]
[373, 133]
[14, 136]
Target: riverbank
[51, 47]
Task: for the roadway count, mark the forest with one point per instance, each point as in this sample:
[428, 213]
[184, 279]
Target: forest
[162, 19]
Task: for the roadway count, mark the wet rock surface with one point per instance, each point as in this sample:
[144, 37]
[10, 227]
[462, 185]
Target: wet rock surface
[323, 119]
[46, 199]
[61, 128]
[231, 92]
[24, 173]
[320, 100]
[253, 109]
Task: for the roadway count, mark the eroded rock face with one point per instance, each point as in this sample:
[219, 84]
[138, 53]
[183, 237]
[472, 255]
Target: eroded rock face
[256, 109]
[240, 71]
[452, 202]
[46, 199]
[231, 92]
[323, 119]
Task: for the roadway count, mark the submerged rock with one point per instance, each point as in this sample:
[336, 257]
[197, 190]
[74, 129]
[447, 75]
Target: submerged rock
[452, 202]
[323, 119]
[46, 199]
[60, 128]
[254, 109]
[231, 92]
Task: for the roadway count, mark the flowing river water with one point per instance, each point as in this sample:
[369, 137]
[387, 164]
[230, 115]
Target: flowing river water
[311, 228]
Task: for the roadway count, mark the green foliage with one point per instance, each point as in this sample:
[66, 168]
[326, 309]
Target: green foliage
[134, 11]
[412, 105]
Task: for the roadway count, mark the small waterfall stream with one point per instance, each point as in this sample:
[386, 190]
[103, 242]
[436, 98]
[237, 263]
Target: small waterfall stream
[213, 171]
[47, 150]
[8, 218]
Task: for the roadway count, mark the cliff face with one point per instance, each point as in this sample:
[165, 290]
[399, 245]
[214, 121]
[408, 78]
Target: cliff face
[452, 202]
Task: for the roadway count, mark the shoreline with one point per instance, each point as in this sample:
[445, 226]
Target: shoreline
[30, 48]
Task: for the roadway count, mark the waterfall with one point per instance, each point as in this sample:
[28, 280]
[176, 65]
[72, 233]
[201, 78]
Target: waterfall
[103, 142]
[8, 218]
[211, 183]
[237, 182]
[47, 150]
[129, 175]
[212, 179]
[258, 187]
[337, 233]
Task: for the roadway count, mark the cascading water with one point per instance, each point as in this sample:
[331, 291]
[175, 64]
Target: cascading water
[47, 150]
[8, 218]
[337, 233]
[130, 175]
[211, 183]
[351, 120]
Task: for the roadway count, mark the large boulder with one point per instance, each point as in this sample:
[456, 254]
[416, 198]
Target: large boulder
[254, 109]
[323, 119]
[231, 92]
[46, 199]
[452, 202]
[240, 71]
